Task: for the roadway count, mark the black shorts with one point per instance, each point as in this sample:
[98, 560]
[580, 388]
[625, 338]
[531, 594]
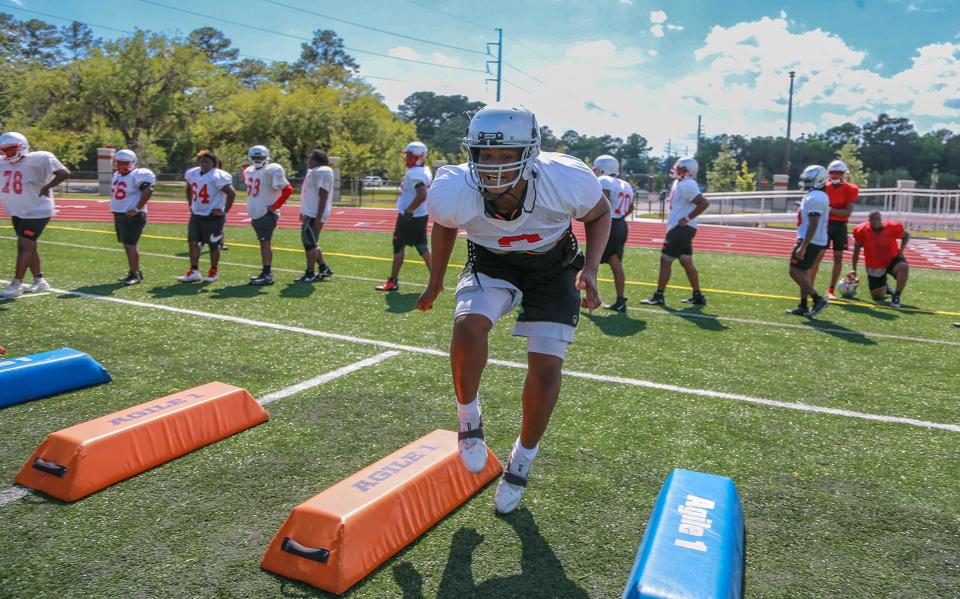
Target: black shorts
[206, 229]
[265, 225]
[881, 281]
[616, 241]
[310, 232]
[29, 228]
[837, 235]
[129, 228]
[548, 280]
[410, 231]
[806, 261]
[679, 241]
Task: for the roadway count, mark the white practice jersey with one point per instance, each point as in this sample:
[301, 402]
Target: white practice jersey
[320, 177]
[126, 189]
[21, 182]
[611, 187]
[564, 188]
[414, 177]
[263, 187]
[682, 194]
[206, 190]
[626, 198]
[815, 202]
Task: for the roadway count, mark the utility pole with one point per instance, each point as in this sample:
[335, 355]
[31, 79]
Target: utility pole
[498, 61]
[786, 159]
[699, 130]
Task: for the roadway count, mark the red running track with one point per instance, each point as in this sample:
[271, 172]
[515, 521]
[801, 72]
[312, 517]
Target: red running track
[921, 253]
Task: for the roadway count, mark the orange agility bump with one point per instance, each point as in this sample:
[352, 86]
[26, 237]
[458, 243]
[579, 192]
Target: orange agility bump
[339, 536]
[80, 460]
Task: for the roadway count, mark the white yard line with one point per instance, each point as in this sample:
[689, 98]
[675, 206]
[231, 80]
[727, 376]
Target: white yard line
[13, 494]
[801, 407]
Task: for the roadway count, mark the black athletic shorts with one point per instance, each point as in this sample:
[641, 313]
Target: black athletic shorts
[547, 280]
[410, 231]
[837, 235]
[265, 225]
[878, 282]
[29, 228]
[616, 241]
[206, 229]
[806, 261]
[129, 228]
[310, 232]
[679, 241]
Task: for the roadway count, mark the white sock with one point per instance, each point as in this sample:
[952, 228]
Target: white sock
[521, 458]
[469, 415]
[15, 282]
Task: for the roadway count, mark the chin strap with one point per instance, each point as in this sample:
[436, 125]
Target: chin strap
[490, 200]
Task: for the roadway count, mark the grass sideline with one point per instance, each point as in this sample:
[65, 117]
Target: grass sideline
[834, 506]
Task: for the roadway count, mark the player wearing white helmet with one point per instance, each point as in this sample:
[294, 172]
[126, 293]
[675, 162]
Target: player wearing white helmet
[131, 188]
[811, 238]
[316, 196]
[516, 205]
[210, 196]
[411, 225]
[27, 180]
[842, 195]
[686, 204]
[267, 190]
[620, 195]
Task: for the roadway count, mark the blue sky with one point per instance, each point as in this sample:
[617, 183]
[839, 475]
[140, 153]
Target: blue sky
[615, 66]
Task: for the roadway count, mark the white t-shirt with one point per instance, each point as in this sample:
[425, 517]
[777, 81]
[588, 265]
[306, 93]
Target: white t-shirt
[564, 188]
[320, 177]
[415, 176]
[20, 185]
[612, 187]
[815, 202]
[126, 189]
[681, 201]
[207, 190]
[263, 187]
[626, 198]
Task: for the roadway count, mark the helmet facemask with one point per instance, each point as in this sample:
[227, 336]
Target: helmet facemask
[12, 153]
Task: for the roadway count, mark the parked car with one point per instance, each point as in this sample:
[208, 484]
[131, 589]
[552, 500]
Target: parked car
[372, 181]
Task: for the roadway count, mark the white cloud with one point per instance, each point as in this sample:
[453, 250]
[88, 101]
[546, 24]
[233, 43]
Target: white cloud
[672, 27]
[657, 16]
[626, 1]
[443, 59]
[404, 52]
[915, 7]
[652, 52]
[657, 30]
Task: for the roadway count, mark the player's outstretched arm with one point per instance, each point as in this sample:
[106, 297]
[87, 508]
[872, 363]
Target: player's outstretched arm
[597, 226]
[442, 240]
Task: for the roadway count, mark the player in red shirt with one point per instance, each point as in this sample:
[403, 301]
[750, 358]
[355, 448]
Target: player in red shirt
[882, 255]
[842, 196]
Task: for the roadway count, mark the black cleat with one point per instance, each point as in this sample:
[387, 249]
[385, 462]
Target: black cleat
[818, 307]
[800, 310]
[895, 300]
[262, 279]
[697, 299]
[308, 277]
[618, 306]
[654, 300]
[132, 278]
[325, 273]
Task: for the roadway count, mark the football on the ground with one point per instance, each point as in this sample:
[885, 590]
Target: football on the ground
[847, 287]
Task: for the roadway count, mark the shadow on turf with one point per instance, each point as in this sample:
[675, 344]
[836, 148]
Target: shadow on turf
[838, 331]
[243, 290]
[398, 303]
[104, 289]
[869, 311]
[178, 289]
[297, 290]
[616, 324]
[707, 322]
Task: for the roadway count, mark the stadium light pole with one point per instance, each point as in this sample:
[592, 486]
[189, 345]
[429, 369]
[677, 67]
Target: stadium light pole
[786, 158]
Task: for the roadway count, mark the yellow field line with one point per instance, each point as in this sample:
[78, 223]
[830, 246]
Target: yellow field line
[601, 279]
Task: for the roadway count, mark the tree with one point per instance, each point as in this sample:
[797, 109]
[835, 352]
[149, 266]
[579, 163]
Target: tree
[746, 181]
[634, 154]
[850, 155]
[325, 61]
[40, 42]
[722, 175]
[889, 143]
[441, 121]
[214, 45]
[251, 72]
[78, 41]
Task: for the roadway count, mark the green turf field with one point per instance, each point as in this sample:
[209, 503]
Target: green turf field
[836, 505]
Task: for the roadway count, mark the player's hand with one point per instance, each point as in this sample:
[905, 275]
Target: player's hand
[132, 212]
[587, 281]
[271, 209]
[216, 212]
[407, 215]
[429, 295]
[799, 251]
[45, 192]
[683, 222]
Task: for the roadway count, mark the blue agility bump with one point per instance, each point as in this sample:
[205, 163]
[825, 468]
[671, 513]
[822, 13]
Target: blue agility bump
[693, 547]
[40, 375]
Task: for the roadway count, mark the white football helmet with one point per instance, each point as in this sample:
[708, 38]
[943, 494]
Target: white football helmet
[415, 154]
[258, 156]
[838, 165]
[813, 177]
[502, 126]
[685, 167]
[128, 157]
[14, 146]
[606, 164]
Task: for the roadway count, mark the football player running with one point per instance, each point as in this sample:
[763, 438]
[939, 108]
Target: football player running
[686, 204]
[411, 227]
[316, 195]
[842, 196]
[210, 196]
[131, 188]
[620, 195]
[516, 204]
[811, 238]
[267, 190]
[883, 256]
[27, 180]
